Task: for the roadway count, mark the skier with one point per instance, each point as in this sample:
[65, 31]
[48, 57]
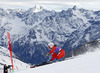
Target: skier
[6, 68]
[57, 53]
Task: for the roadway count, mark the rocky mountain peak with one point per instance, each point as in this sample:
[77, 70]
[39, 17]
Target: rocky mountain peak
[75, 7]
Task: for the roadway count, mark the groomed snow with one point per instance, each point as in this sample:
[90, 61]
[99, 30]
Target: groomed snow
[87, 63]
[5, 59]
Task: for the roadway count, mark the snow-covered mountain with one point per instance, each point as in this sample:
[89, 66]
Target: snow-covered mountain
[32, 31]
[37, 8]
[5, 59]
[87, 47]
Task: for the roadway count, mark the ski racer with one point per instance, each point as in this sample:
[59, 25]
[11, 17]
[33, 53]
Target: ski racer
[57, 53]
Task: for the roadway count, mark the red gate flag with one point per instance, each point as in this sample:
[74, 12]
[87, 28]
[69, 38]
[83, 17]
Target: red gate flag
[9, 41]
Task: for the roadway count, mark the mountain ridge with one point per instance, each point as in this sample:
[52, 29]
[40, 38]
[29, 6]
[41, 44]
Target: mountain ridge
[32, 31]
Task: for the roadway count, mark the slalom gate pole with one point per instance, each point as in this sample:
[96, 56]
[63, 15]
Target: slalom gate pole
[9, 41]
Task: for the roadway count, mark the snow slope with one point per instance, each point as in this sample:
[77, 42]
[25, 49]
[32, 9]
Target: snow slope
[87, 63]
[5, 59]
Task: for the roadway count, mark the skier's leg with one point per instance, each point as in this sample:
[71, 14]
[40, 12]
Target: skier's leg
[61, 54]
[60, 59]
[54, 60]
[53, 56]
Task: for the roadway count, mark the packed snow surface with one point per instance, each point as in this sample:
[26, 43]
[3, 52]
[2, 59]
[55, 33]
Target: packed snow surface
[5, 59]
[87, 63]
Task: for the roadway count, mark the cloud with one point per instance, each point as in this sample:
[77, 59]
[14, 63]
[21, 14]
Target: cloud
[59, 2]
[50, 3]
[33, 3]
[40, 2]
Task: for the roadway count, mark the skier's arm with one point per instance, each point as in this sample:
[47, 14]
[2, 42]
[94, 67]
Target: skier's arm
[53, 49]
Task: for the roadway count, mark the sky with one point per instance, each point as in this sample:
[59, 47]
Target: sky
[51, 4]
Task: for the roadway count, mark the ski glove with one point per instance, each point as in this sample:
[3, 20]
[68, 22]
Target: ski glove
[50, 61]
[47, 54]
